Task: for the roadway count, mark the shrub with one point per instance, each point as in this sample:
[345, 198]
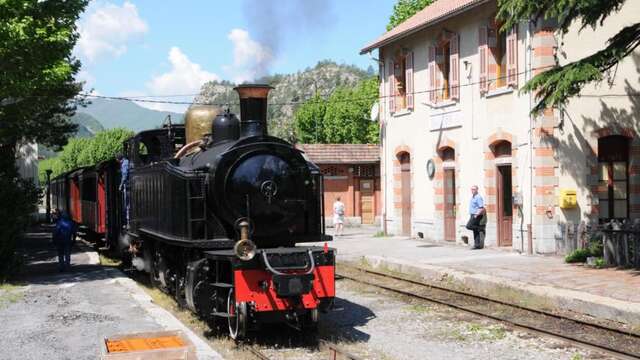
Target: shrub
[381, 234]
[18, 199]
[596, 248]
[578, 256]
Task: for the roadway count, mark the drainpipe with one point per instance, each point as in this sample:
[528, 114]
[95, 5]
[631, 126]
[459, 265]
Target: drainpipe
[383, 135]
[383, 139]
[529, 73]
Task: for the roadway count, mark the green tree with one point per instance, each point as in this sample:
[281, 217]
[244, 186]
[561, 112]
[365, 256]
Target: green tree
[18, 198]
[37, 83]
[309, 121]
[347, 115]
[344, 118]
[555, 86]
[85, 152]
[70, 156]
[405, 9]
[37, 77]
[54, 164]
[104, 146]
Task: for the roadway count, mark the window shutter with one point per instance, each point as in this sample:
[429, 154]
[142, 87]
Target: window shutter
[454, 73]
[392, 88]
[483, 54]
[409, 79]
[432, 74]
[381, 95]
[512, 57]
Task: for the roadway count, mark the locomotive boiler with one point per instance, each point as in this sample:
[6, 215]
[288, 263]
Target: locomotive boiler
[219, 221]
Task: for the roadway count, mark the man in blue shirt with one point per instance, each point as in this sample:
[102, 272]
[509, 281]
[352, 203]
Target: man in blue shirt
[124, 184]
[64, 236]
[477, 219]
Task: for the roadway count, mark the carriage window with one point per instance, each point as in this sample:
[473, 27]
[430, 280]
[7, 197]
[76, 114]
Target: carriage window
[142, 149]
[89, 189]
[613, 163]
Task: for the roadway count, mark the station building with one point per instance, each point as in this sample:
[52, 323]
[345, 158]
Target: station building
[452, 117]
[351, 171]
[27, 161]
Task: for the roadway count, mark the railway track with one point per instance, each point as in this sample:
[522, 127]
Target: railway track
[333, 351]
[614, 342]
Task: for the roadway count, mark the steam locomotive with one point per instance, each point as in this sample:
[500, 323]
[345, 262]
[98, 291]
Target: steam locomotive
[216, 212]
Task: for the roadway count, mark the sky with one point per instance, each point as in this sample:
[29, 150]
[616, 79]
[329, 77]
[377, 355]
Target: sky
[162, 47]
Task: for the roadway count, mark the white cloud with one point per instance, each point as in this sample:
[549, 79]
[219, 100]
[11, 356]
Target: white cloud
[250, 58]
[88, 79]
[184, 77]
[106, 30]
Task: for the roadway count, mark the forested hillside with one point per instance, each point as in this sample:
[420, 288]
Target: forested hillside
[290, 91]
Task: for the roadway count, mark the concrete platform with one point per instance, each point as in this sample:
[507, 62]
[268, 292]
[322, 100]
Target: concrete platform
[545, 283]
[50, 315]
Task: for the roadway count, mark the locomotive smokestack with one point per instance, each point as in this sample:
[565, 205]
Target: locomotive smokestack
[253, 109]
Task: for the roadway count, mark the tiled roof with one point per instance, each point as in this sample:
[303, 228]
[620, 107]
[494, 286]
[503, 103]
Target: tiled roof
[341, 153]
[437, 11]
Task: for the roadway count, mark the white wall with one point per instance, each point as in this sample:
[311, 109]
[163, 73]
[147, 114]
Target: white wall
[27, 161]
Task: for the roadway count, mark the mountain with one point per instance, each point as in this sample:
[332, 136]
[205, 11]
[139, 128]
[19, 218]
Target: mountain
[290, 91]
[126, 114]
[88, 126]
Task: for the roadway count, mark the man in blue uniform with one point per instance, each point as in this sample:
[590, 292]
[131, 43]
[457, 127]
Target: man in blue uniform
[477, 219]
[124, 184]
[64, 236]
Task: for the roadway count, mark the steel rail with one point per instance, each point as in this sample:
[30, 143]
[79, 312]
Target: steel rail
[623, 354]
[480, 297]
[336, 352]
[258, 354]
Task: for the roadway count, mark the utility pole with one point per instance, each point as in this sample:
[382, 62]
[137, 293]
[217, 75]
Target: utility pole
[48, 173]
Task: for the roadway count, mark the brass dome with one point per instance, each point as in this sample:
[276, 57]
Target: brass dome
[198, 120]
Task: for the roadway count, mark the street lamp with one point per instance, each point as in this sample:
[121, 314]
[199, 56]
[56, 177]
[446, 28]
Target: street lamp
[48, 172]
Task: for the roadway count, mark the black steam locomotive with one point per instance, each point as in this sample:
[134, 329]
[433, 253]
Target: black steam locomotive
[215, 221]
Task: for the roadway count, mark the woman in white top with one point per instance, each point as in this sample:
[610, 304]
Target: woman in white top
[338, 216]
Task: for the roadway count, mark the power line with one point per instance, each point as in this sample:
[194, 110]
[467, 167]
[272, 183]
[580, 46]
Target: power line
[144, 98]
[379, 97]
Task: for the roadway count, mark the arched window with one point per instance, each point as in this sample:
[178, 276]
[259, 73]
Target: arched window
[448, 154]
[613, 189]
[502, 149]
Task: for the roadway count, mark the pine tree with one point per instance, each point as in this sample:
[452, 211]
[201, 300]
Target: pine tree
[555, 86]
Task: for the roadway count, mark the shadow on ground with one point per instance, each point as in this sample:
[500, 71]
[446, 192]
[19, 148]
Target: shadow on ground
[39, 261]
[338, 325]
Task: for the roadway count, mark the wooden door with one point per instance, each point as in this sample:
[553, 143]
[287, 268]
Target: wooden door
[101, 204]
[505, 206]
[367, 206]
[450, 205]
[405, 169]
[75, 206]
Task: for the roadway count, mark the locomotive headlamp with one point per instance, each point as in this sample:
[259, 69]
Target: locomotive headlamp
[244, 249]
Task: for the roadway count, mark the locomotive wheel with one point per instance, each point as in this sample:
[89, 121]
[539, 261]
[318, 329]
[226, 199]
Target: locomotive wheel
[237, 317]
[158, 271]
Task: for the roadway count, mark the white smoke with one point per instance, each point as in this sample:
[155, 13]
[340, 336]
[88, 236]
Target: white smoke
[250, 58]
[271, 24]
